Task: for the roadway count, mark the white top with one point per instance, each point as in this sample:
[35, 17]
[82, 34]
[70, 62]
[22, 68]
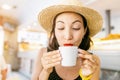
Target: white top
[3, 65]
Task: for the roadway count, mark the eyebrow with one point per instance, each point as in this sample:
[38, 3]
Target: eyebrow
[77, 21]
[72, 22]
[60, 21]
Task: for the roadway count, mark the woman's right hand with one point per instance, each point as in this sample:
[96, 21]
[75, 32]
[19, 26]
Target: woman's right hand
[50, 59]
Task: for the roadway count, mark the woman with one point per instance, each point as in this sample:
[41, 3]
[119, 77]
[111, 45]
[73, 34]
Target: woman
[68, 22]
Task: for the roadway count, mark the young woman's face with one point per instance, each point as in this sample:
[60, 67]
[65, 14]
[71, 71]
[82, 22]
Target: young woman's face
[69, 29]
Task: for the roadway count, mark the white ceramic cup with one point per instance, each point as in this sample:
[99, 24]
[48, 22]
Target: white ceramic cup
[69, 55]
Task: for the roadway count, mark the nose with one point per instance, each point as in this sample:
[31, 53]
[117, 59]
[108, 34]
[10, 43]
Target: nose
[68, 35]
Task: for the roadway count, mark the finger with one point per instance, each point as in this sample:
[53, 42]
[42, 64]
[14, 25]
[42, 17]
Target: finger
[51, 53]
[49, 64]
[86, 70]
[52, 56]
[89, 57]
[89, 64]
[52, 65]
[86, 66]
[82, 51]
[54, 60]
[56, 56]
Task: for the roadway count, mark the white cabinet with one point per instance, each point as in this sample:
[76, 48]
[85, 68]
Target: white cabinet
[27, 60]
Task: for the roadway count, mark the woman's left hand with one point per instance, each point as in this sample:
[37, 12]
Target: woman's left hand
[89, 62]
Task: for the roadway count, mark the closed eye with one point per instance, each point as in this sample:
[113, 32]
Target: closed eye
[60, 28]
[76, 28]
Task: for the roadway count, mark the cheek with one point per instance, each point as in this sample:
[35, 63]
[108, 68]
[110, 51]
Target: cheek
[78, 38]
[58, 37]
[78, 41]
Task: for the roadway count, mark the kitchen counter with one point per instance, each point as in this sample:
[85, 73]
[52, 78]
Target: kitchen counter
[109, 59]
[109, 53]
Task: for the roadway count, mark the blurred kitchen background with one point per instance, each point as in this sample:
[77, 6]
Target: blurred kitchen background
[21, 37]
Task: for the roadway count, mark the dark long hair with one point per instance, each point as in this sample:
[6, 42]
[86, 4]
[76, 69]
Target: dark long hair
[85, 44]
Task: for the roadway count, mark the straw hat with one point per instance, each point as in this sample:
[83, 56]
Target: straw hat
[54, 7]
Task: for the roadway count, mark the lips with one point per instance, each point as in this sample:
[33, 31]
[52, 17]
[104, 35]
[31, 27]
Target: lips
[68, 44]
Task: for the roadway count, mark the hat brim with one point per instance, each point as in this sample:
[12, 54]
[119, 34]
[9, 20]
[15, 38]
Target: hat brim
[94, 19]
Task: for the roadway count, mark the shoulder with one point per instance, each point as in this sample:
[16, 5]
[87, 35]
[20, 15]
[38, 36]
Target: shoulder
[40, 54]
[41, 51]
[38, 57]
